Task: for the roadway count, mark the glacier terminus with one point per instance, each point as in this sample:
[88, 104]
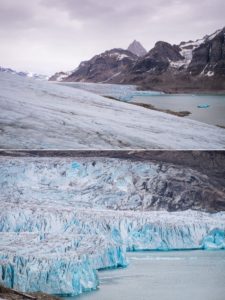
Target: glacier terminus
[64, 218]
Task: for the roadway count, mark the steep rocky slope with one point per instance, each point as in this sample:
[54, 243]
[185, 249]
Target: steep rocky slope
[101, 68]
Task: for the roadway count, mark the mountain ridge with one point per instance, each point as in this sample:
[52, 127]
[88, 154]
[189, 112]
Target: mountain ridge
[189, 66]
[23, 73]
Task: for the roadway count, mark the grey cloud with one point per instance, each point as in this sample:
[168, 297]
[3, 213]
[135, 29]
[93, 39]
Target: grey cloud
[100, 10]
[61, 33]
[16, 13]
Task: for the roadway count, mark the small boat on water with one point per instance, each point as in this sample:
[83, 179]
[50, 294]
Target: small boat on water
[203, 106]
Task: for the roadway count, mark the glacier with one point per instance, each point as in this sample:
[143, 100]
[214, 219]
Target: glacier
[111, 183]
[42, 115]
[63, 219]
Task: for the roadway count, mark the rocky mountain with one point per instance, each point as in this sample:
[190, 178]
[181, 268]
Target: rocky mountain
[190, 66]
[101, 68]
[158, 59]
[136, 48]
[198, 65]
[23, 74]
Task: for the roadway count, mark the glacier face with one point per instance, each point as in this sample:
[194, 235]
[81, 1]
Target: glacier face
[109, 183]
[57, 264]
[62, 219]
[77, 119]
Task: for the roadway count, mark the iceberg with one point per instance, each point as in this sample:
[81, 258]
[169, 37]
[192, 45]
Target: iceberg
[203, 106]
[214, 240]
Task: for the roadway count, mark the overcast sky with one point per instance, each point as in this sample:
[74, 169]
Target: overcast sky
[46, 36]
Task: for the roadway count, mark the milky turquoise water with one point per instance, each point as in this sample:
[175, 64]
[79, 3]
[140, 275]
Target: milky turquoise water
[175, 275]
[215, 114]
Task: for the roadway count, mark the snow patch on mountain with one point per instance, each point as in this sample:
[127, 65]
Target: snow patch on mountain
[118, 56]
[187, 49]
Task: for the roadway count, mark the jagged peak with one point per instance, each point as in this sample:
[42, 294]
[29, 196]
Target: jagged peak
[136, 48]
[135, 42]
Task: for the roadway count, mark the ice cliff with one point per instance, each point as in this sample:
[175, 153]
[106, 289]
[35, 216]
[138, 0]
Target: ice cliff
[57, 264]
[62, 219]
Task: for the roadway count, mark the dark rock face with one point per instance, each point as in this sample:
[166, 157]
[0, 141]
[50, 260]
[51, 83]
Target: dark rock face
[150, 65]
[199, 60]
[103, 67]
[137, 49]
[209, 56]
[164, 51]
[180, 189]
[192, 66]
[157, 60]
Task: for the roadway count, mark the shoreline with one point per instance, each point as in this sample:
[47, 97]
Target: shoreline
[11, 294]
[152, 107]
[169, 91]
[178, 91]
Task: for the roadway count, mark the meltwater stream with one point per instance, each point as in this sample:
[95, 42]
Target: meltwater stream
[173, 275]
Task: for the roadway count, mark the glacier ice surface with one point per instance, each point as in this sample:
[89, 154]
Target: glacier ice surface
[77, 119]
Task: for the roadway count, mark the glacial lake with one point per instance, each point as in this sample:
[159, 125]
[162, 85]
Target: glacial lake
[173, 275]
[214, 114]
